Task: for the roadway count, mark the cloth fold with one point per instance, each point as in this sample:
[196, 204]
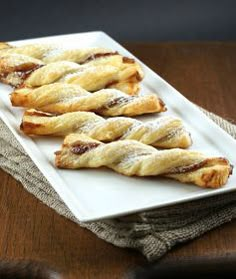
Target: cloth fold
[154, 232]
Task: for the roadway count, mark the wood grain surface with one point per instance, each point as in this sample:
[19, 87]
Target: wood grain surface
[205, 74]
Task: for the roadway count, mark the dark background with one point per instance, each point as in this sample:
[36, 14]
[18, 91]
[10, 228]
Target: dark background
[134, 20]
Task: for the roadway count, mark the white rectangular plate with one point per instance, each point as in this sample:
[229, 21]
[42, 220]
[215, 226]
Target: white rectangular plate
[97, 194]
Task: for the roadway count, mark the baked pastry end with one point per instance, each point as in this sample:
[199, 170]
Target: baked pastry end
[213, 173]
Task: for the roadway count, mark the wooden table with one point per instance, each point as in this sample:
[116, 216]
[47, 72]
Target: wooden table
[205, 74]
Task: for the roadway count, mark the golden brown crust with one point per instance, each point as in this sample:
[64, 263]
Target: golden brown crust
[61, 98]
[164, 132]
[130, 157]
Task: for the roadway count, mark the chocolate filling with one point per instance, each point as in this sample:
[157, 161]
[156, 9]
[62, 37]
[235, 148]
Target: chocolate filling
[111, 83]
[231, 169]
[98, 55]
[22, 71]
[137, 76]
[189, 168]
[162, 104]
[25, 74]
[117, 101]
[194, 167]
[22, 74]
[81, 148]
[128, 60]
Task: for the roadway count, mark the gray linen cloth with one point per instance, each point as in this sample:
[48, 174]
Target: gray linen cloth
[154, 232]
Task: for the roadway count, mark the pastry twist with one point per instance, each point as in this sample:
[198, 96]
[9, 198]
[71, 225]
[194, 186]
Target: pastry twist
[130, 157]
[60, 98]
[164, 132]
[4, 46]
[49, 53]
[112, 71]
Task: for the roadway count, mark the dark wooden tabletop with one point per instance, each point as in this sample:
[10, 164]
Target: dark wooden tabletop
[205, 74]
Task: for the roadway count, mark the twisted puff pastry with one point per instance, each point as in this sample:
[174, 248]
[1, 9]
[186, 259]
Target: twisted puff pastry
[60, 98]
[4, 46]
[164, 132]
[49, 53]
[130, 157]
[109, 71]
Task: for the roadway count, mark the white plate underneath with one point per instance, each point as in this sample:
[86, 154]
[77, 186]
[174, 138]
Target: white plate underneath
[97, 194]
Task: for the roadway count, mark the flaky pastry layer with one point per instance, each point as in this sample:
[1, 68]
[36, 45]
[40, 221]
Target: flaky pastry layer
[61, 98]
[164, 132]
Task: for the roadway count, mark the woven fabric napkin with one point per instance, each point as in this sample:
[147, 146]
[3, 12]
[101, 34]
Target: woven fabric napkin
[154, 232]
